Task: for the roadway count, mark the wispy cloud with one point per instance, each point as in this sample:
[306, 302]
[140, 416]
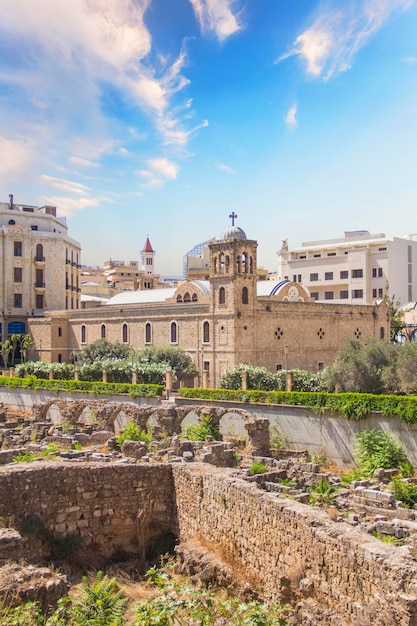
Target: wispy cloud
[75, 54]
[217, 16]
[65, 185]
[290, 118]
[226, 168]
[68, 207]
[329, 45]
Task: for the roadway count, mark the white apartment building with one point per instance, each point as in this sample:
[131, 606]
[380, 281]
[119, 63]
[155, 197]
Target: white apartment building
[39, 265]
[358, 269]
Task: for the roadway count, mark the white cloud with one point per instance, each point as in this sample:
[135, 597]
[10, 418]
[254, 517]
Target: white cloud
[225, 168]
[329, 45]
[410, 60]
[68, 207]
[65, 185]
[168, 169]
[80, 162]
[290, 118]
[217, 16]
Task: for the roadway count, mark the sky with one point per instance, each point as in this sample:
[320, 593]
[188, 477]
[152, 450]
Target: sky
[158, 118]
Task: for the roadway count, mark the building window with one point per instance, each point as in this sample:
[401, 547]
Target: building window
[321, 367]
[314, 295]
[125, 333]
[374, 292]
[206, 332]
[380, 272]
[314, 277]
[17, 274]
[357, 293]
[187, 297]
[39, 301]
[59, 331]
[17, 300]
[328, 276]
[179, 299]
[148, 333]
[380, 292]
[245, 295]
[17, 248]
[382, 249]
[316, 256]
[374, 272]
[39, 252]
[344, 294]
[222, 295]
[344, 274]
[39, 278]
[331, 254]
[83, 334]
[103, 331]
[328, 295]
[279, 367]
[357, 273]
[194, 297]
[299, 278]
[173, 333]
[382, 333]
[33, 227]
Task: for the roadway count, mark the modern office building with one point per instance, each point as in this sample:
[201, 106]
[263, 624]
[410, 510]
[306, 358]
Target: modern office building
[360, 268]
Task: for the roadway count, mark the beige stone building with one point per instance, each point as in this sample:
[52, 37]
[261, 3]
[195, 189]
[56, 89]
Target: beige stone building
[231, 318]
[39, 265]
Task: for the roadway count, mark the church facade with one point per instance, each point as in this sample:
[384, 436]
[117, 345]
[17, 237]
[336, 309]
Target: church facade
[231, 318]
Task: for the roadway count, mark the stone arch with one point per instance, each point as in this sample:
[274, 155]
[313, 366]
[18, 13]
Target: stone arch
[121, 421]
[190, 419]
[53, 414]
[232, 424]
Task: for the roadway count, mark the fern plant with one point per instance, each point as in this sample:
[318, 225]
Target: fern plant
[101, 603]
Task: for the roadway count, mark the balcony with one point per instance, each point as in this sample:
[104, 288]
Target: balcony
[39, 259]
[39, 285]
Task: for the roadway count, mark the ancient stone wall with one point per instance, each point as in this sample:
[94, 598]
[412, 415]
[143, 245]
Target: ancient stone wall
[116, 509]
[287, 550]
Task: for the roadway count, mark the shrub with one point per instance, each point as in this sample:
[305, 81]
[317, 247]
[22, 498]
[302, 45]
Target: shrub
[101, 603]
[133, 432]
[375, 448]
[323, 493]
[404, 491]
[204, 427]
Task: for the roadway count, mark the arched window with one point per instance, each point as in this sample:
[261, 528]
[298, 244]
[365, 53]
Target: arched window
[244, 263]
[238, 263]
[382, 333]
[194, 298]
[227, 264]
[148, 332]
[245, 295]
[125, 333]
[179, 298]
[103, 331]
[187, 297]
[251, 265]
[215, 265]
[83, 334]
[206, 332]
[222, 263]
[39, 252]
[222, 295]
[173, 332]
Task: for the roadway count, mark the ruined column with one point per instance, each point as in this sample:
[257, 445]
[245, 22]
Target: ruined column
[134, 378]
[289, 380]
[168, 382]
[105, 377]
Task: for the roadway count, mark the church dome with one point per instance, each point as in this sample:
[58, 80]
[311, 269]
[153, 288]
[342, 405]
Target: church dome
[233, 232]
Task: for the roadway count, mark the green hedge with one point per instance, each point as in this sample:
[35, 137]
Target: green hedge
[97, 388]
[354, 406]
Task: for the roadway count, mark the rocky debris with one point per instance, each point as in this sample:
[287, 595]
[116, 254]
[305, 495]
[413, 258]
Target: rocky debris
[20, 583]
[135, 449]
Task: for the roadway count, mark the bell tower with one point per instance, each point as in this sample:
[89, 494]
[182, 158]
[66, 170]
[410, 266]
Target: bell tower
[233, 274]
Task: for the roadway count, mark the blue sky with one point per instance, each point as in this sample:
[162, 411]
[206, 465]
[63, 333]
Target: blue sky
[159, 118]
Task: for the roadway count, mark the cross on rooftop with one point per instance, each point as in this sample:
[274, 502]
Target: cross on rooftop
[233, 216]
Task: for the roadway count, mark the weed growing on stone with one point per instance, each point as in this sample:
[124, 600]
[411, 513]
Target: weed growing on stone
[257, 468]
[133, 432]
[387, 538]
[404, 491]
[323, 493]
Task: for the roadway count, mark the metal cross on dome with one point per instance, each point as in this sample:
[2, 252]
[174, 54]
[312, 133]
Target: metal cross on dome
[233, 216]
